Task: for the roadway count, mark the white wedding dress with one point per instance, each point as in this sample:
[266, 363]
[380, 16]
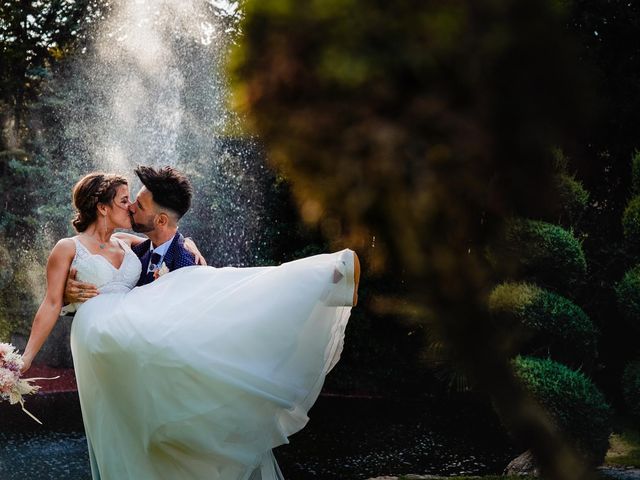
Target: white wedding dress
[201, 373]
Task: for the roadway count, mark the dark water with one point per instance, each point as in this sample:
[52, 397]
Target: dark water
[49, 455]
[346, 438]
[358, 439]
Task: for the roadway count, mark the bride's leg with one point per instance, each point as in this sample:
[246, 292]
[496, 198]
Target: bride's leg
[356, 277]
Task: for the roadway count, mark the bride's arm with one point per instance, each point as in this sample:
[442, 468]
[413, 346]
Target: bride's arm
[57, 268]
[129, 238]
[191, 246]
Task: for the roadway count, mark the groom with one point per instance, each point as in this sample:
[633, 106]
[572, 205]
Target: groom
[164, 198]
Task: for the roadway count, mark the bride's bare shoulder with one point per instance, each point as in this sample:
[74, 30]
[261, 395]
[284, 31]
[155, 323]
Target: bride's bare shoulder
[65, 248]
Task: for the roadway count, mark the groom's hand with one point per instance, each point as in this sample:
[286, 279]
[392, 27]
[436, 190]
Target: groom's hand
[76, 291]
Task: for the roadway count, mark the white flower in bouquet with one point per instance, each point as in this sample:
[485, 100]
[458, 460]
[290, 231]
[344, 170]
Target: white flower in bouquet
[12, 387]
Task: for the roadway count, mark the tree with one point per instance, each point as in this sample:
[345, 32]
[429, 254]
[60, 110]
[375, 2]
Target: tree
[32, 35]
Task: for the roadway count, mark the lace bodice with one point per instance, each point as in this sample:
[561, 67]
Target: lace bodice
[97, 270]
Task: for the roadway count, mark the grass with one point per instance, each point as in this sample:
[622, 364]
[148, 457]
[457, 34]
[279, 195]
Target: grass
[625, 449]
[483, 477]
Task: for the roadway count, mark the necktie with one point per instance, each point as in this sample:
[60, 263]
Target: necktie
[154, 262]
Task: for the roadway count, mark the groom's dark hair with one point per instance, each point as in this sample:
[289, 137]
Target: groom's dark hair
[169, 187]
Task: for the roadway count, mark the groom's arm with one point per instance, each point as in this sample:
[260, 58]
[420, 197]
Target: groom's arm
[76, 291]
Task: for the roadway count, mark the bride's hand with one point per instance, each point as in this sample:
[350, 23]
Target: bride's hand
[26, 364]
[191, 247]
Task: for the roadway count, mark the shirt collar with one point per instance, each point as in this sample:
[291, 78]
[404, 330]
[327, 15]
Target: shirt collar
[162, 249]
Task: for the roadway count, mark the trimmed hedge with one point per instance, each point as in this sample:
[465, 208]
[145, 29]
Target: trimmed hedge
[574, 403]
[557, 327]
[540, 252]
[628, 295]
[573, 198]
[512, 298]
[631, 388]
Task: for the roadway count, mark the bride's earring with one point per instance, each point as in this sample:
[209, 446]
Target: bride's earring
[103, 245]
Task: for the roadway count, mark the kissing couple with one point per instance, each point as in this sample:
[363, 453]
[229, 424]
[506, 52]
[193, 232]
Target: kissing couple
[185, 370]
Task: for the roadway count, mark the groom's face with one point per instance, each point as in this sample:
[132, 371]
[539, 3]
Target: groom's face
[143, 212]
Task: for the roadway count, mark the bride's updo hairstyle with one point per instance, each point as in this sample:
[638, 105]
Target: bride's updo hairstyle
[91, 190]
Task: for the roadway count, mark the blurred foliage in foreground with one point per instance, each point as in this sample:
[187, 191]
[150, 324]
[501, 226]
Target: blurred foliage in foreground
[427, 125]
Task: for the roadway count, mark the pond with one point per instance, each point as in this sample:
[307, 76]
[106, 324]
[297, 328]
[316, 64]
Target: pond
[346, 438]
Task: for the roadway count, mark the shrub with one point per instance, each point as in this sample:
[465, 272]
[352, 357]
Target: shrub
[631, 388]
[512, 298]
[572, 198]
[574, 403]
[556, 326]
[631, 222]
[635, 172]
[540, 252]
[628, 295]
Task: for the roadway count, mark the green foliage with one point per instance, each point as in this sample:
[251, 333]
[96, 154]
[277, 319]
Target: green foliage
[6, 277]
[5, 327]
[635, 172]
[354, 75]
[35, 35]
[631, 222]
[628, 295]
[631, 388]
[22, 288]
[31, 194]
[512, 298]
[542, 253]
[425, 124]
[577, 407]
[554, 326]
[560, 160]
[8, 324]
[572, 199]
[36, 212]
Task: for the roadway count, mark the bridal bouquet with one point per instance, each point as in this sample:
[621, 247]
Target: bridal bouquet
[12, 387]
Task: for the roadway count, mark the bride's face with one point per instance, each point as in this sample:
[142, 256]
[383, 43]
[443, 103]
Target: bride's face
[119, 208]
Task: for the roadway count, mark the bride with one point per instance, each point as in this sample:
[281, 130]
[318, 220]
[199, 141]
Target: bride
[199, 374]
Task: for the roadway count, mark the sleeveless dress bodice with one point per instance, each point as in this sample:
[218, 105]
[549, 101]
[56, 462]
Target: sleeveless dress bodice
[96, 269]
